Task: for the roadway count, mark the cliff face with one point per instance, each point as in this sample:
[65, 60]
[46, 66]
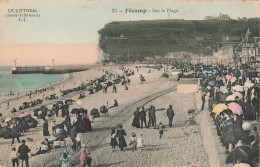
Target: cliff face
[140, 39]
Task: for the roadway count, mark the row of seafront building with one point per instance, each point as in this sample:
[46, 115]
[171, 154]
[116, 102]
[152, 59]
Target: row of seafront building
[246, 52]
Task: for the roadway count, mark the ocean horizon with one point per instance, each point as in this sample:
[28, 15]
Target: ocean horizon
[24, 82]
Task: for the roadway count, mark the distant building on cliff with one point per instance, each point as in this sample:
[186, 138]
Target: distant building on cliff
[220, 17]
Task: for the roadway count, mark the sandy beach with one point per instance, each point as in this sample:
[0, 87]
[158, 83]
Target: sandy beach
[181, 145]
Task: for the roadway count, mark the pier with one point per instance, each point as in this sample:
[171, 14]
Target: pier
[48, 69]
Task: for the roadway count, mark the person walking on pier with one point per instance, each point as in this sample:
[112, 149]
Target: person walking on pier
[170, 115]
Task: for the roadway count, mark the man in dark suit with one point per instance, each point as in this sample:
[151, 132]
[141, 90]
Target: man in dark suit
[23, 150]
[170, 114]
[142, 115]
[152, 117]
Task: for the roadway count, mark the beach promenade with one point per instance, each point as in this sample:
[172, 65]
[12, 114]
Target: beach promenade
[181, 145]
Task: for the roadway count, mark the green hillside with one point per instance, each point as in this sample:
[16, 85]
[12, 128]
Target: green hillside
[140, 39]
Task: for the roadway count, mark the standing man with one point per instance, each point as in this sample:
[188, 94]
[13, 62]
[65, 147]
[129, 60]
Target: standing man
[152, 117]
[203, 100]
[23, 150]
[15, 133]
[170, 115]
[114, 88]
[142, 115]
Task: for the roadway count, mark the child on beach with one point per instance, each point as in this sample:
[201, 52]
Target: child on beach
[88, 160]
[113, 142]
[140, 142]
[160, 128]
[133, 142]
[14, 157]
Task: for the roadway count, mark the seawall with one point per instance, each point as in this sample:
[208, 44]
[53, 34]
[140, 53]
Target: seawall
[211, 142]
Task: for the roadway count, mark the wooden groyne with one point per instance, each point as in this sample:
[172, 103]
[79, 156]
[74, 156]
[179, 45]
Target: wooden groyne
[48, 69]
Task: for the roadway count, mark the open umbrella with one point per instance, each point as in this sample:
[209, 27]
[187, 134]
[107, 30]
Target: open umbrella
[228, 77]
[246, 126]
[234, 134]
[242, 154]
[236, 72]
[215, 71]
[231, 98]
[240, 96]
[235, 108]
[94, 112]
[223, 89]
[75, 111]
[81, 110]
[238, 88]
[219, 108]
[248, 84]
[103, 109]
[24, 114]
[233, 79]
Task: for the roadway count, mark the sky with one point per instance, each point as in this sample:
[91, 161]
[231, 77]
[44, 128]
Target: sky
[67, 30]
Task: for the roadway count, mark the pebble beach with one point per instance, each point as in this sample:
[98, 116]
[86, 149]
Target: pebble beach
[181, 144]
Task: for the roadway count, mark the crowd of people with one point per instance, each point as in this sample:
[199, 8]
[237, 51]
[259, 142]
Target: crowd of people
[233, 100]
[68, 127]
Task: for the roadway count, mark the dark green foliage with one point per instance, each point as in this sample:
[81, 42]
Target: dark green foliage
[150, 38]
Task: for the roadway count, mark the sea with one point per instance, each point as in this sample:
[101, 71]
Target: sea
[24, 82]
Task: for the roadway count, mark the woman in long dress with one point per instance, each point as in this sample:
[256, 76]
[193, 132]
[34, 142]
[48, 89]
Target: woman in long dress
[46, 128]
[136, 121]
[86, 122]
[121, 133]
